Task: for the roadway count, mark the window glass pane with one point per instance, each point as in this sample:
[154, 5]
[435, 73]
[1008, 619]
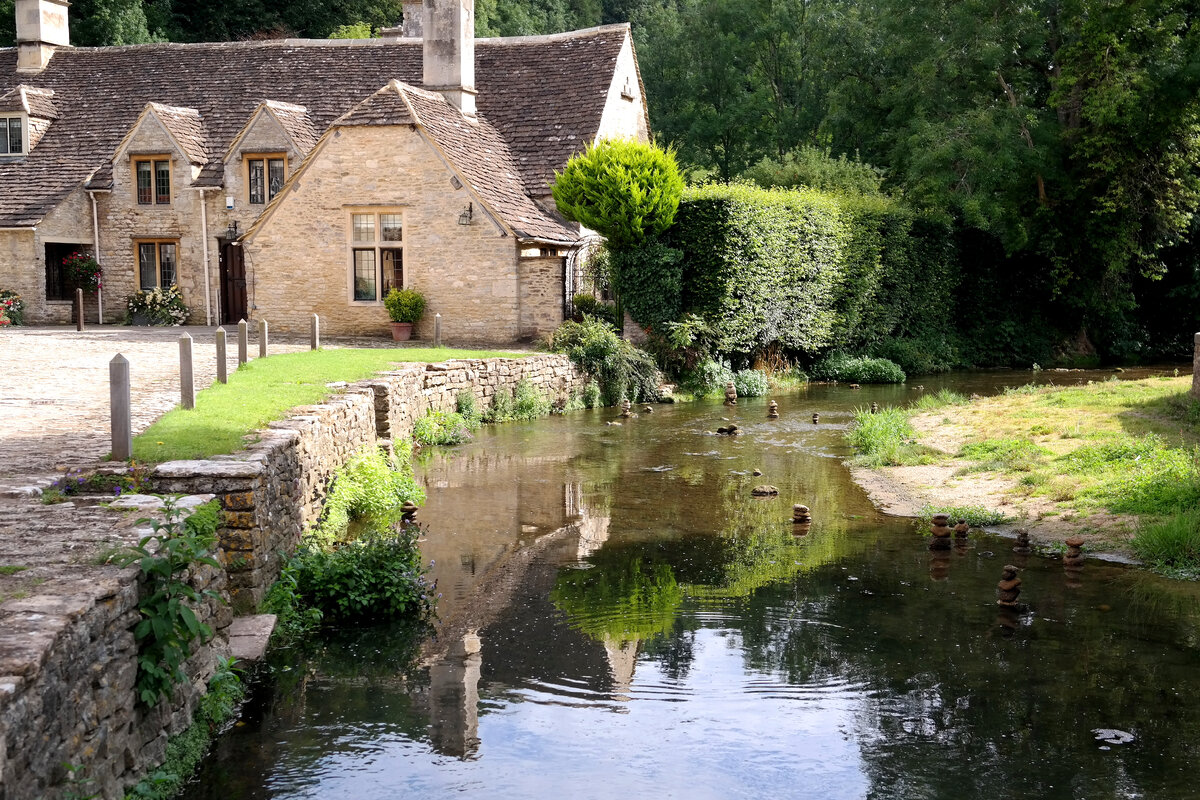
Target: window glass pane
[166, 263]
[144, 182]
[147, 275]
[364, 227]
[275, 174]
[14, 136]
[257, 181]
[364, 275]
[3, 138]
[391, 227]
[162, 181]
[393, 269]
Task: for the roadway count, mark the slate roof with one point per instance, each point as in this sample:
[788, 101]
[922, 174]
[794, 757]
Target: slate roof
[34, 102]
[185, 127]
[476, 148]
[544, 95]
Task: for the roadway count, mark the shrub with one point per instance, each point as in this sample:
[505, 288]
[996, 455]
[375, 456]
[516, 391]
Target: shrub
[468, 408]
[648, 280]
[751, 383]
[377, 576]
[442, 428]
[1172, 542]
[404, 305]
[816, 168]
[591, 394]
[12, 308]
[502, 408]
[372, 486]
[707, 377]
[623, 189]
[529, 402]
[621, 369]
[856, 369]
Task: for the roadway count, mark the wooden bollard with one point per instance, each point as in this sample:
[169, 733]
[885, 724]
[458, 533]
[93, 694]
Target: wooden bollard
[187, 387]
[437, 330]
[119, 408]
[243, 342]
[222, 367]
[262, 338]
[79, 309]
[314, 333]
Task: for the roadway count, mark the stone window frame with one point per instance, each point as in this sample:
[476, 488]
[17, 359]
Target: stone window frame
[376, 246]
[23, 124]
[154, 160]
[266, 156]
[158, 242]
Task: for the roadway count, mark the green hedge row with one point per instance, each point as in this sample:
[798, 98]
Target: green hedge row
[817, 272]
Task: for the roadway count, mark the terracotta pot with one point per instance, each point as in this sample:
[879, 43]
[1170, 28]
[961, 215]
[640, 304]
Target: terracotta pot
[401, 331]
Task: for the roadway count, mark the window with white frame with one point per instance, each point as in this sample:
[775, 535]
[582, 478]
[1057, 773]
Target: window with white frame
[12, 136]
[376, 254]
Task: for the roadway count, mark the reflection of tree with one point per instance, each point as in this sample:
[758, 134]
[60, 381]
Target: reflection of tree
[622, 598]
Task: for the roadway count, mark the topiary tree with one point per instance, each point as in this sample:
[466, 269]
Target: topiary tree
[628, 192]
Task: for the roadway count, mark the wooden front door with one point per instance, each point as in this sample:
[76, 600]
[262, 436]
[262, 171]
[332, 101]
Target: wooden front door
[233, 284]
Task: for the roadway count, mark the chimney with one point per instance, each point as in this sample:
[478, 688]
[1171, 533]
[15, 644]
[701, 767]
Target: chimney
[41, 26]
[449, 51]
[411, 26]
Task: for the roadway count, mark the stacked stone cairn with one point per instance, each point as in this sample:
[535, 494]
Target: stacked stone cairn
[1073, 559]
[647, 409]
[1023, 547]
[1009, 587]
[801, 520]
[625, 409]
[874, 407]
[940, 528]
[816, 418]
[772, 410]
[962, 530]
[730, 394]
[408, 511]
[729, 430]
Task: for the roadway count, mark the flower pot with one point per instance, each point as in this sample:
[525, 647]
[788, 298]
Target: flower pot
[401, 331]
[140, 318]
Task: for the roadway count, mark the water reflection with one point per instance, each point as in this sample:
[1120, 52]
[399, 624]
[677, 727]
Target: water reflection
[619, 616]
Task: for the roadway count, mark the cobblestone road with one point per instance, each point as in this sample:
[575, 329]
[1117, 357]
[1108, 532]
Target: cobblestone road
[54, 412]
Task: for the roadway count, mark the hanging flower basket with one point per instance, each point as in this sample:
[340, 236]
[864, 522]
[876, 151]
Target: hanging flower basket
[82, 272]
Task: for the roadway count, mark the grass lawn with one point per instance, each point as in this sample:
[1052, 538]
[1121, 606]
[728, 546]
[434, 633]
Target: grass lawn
[262, 391]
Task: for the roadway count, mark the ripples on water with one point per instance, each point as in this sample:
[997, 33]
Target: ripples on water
[649, 629]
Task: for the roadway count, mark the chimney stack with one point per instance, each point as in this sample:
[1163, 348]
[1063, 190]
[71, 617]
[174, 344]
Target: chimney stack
[41, 27]
[449, 50]
[410, 27]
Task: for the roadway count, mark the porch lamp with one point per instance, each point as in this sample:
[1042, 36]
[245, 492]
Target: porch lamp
[465, 217]
[231, 233]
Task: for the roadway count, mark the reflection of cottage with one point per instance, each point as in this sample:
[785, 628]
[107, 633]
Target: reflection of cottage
[275, 179]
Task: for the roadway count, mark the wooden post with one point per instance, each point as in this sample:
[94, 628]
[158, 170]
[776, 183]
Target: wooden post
[243, 342]
[119, 411]
[222, 376]
[262, 338]
[79, 309]
[314, 336]
[437, 330]
[187, 388]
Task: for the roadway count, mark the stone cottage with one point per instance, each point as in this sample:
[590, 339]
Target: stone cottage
[274, 179]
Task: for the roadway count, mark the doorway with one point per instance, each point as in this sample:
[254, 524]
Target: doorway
[233, 283]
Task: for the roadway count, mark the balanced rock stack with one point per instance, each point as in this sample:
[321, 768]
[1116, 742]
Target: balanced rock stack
[625, 406]
[1009, 587]
[730, 394]
[940, 528]
[962, 530]
[408, 511]
[729, 430]
[816, 418]
[764, 490]
[874, 407]
[801, 515]
[1074, 554]
[1022, 547]
[772, 410]
[647, 409]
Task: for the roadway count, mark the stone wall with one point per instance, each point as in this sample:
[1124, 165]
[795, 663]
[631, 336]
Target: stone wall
[275, 489]
[67, 692]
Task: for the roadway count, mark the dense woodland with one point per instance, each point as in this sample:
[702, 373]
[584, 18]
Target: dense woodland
[1059, 139]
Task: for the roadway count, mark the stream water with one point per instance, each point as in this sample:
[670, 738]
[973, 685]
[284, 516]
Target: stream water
[619, 618]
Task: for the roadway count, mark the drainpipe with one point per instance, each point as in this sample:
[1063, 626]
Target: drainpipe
[204, 246]
[96, 249]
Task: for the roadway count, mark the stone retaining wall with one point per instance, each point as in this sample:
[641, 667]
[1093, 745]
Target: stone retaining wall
[275, 489]
[68, 660]
[67, 695]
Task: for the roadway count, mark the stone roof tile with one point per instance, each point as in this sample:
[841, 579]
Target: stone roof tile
[543, 94]
[185, 126]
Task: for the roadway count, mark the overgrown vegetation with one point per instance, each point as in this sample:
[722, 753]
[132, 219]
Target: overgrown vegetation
[751, 383]
[262, 390]
[976, 516]
[886, 439]
[114, 484]
[524, 403]
[1171, 544]
[620, 369]
[371, 486]
[444, 428]
[856, 369]
[167, 559]
[185, 750]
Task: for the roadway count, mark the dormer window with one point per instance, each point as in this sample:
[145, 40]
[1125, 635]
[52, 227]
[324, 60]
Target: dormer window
[152, 176]
[12, 136]
[265, 174]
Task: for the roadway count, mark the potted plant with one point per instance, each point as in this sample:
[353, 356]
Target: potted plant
[405, 307]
